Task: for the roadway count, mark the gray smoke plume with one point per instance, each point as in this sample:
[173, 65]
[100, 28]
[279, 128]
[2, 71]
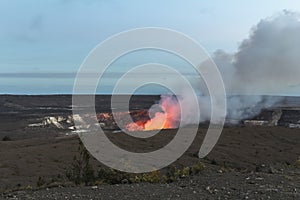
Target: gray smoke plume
[265, 68]
[266, 63]
[269, 60]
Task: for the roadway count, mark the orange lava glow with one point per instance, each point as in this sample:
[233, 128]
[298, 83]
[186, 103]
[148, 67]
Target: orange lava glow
[168, 118]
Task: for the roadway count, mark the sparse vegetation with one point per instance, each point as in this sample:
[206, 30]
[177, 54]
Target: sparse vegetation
[6, 138]
[297, 163]
[41, 181]
[111, 176]
[197, 168]
[151, 177]
[81, 171]
[50, 182]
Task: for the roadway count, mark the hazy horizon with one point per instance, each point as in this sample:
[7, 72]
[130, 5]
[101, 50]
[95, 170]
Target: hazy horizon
[44, 44]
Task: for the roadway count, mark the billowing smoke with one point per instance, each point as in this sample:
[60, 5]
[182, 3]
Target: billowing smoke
[269, 59]
[247, 106]
[266, 63]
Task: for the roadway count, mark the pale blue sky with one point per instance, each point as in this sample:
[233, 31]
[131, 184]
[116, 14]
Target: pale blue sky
[56, 35]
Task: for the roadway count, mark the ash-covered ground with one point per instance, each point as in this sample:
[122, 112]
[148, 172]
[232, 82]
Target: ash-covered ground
[254, 159]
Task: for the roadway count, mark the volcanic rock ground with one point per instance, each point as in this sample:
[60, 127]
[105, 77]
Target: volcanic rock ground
[247, 162]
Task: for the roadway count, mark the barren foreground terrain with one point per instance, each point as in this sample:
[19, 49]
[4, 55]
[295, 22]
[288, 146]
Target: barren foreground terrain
[259, 162]
[260, 166]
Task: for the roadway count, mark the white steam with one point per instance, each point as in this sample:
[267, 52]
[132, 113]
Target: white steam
[267, 64]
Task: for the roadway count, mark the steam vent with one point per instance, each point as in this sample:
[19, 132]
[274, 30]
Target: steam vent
[284, 113]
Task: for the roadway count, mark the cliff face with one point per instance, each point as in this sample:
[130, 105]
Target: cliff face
[288, 117]
[54, 112]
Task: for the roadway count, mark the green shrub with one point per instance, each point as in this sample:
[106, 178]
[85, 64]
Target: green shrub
[297, 163]
[112, 176]
[197, 168]
[151, 177]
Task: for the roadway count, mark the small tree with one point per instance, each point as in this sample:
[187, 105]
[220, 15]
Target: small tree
[6, 138]
[81, 170]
